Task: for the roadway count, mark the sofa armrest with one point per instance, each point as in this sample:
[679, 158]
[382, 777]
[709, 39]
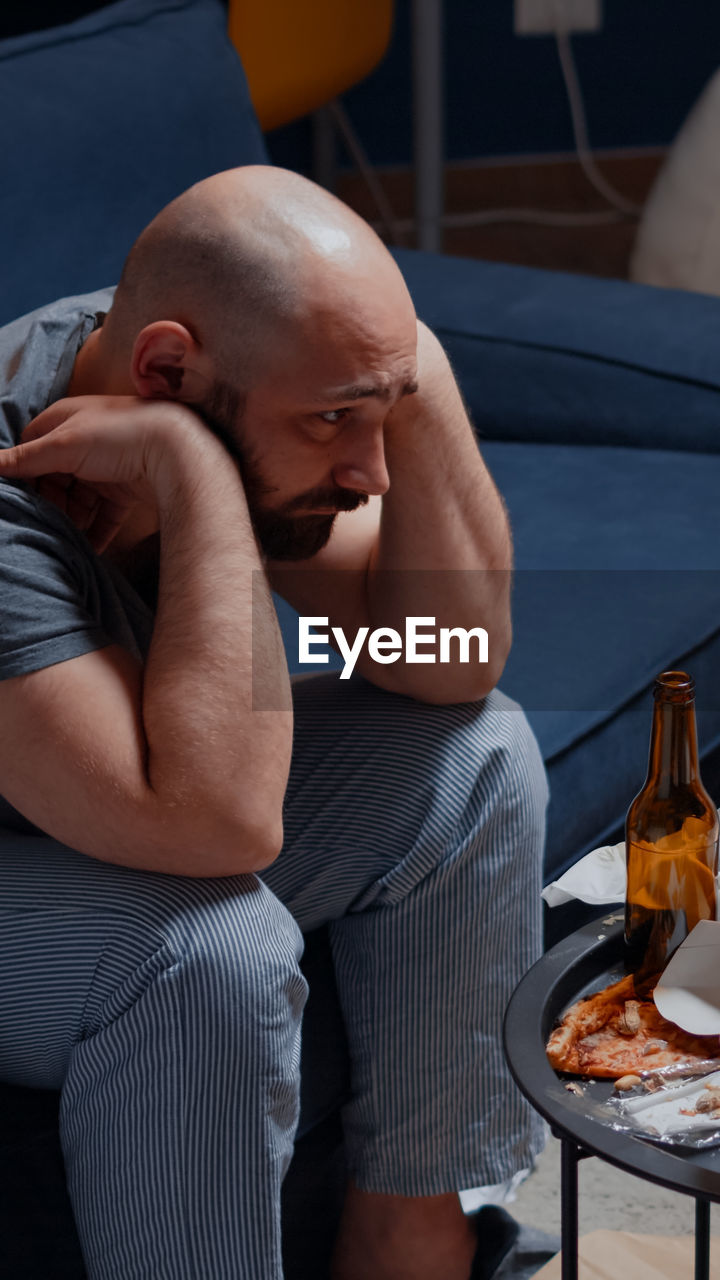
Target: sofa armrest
[553, 358]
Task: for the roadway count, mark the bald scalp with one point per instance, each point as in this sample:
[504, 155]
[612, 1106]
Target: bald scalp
[234, 259]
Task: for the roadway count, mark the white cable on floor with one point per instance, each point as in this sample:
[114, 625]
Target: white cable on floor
[543, 217]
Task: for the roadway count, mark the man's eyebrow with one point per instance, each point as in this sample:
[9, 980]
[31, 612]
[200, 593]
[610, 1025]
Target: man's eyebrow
[363, 391]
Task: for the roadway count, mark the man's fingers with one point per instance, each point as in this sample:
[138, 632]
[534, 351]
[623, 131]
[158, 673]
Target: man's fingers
[98, 510]
[50, 418]
[25, 461]
[55, 453]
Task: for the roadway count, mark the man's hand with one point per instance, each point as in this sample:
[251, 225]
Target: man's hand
[98, 458]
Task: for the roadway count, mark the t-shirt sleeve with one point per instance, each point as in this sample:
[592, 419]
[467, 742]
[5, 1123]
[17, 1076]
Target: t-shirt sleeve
[50, 603]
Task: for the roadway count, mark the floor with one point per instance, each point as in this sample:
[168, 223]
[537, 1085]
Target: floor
[607, 1198]
[547, 184]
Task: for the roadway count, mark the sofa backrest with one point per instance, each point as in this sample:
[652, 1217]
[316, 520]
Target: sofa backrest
[104, 120]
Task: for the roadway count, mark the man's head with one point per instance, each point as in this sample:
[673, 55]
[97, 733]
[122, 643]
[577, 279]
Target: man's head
[277, 313]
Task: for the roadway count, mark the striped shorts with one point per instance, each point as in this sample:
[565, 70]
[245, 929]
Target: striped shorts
[168, 1010]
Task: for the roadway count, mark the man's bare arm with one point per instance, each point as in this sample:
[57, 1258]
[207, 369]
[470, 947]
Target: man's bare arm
[167, 768]
[438, 544]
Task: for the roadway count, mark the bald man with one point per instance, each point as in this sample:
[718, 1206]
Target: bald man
[255, 407]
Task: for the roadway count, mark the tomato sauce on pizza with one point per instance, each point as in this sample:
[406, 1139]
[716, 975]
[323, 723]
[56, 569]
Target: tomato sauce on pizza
[614, 1033]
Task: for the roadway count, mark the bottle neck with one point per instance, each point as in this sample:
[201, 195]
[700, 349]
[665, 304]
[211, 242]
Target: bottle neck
[673, 746]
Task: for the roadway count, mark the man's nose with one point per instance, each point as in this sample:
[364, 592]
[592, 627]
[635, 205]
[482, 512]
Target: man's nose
[364, 469]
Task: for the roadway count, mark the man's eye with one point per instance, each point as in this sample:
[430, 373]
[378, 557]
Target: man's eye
[333, 415]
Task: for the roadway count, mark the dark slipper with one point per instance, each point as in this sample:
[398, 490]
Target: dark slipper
[497, 1232]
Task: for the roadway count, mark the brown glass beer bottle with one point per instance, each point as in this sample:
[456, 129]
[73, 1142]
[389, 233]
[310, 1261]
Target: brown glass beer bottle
[671, 838]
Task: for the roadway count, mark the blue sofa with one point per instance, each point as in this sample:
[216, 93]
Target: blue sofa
[596, 406]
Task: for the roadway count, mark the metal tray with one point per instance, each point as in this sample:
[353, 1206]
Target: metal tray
[587, 960]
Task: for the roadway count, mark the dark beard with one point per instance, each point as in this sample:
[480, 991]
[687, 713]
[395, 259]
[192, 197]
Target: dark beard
[288, 538]
[281, 535]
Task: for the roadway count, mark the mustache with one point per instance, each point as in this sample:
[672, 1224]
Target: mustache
[333, 496]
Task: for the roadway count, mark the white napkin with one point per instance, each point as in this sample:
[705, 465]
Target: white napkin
[597, 878]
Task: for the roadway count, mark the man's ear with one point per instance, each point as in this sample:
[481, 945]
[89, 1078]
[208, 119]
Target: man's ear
[167, 363]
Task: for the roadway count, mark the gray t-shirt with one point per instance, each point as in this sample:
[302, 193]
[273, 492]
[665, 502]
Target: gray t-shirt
[58, 598]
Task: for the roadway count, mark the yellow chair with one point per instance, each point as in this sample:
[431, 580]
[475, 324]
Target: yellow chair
[300, 54]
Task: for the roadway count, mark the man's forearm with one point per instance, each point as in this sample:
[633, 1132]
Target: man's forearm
[209, 750]
[190, 778]
[444, 548]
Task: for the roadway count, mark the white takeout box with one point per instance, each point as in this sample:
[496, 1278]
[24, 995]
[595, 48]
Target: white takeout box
[688, 992]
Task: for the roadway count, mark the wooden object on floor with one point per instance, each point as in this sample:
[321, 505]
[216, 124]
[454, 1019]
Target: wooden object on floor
[605, 1255]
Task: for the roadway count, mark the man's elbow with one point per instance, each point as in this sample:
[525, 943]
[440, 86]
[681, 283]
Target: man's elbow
[245, 844]
[466, 678]
[213, 841]
[453, 687]
[265, 844]
[483, 677]
[228, 830]
[486, 677]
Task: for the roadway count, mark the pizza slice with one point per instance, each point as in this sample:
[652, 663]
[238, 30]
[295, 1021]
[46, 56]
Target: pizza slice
[613, 1033]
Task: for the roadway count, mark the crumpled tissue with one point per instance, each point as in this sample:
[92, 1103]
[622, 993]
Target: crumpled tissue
[598, 878]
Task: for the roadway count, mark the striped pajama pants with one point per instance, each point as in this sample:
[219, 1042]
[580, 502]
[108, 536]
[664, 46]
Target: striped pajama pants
[167, 1010]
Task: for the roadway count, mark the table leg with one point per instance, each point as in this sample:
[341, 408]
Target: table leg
[702, 1239]
[569, 1157]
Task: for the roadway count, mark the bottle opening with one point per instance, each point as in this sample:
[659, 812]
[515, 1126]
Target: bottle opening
[674, 686]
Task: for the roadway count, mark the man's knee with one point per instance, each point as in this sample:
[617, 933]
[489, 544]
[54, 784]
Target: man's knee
[488, 750]
[511, 778]
[492, 793]
[246, 947]
[227, 948]
[520, 763]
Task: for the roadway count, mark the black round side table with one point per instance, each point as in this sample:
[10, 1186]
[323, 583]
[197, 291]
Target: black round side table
[583, 962]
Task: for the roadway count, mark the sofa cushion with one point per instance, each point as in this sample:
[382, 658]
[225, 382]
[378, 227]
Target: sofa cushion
[38, 1237]
[546, 356]
[87, 156]
[618, 555]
